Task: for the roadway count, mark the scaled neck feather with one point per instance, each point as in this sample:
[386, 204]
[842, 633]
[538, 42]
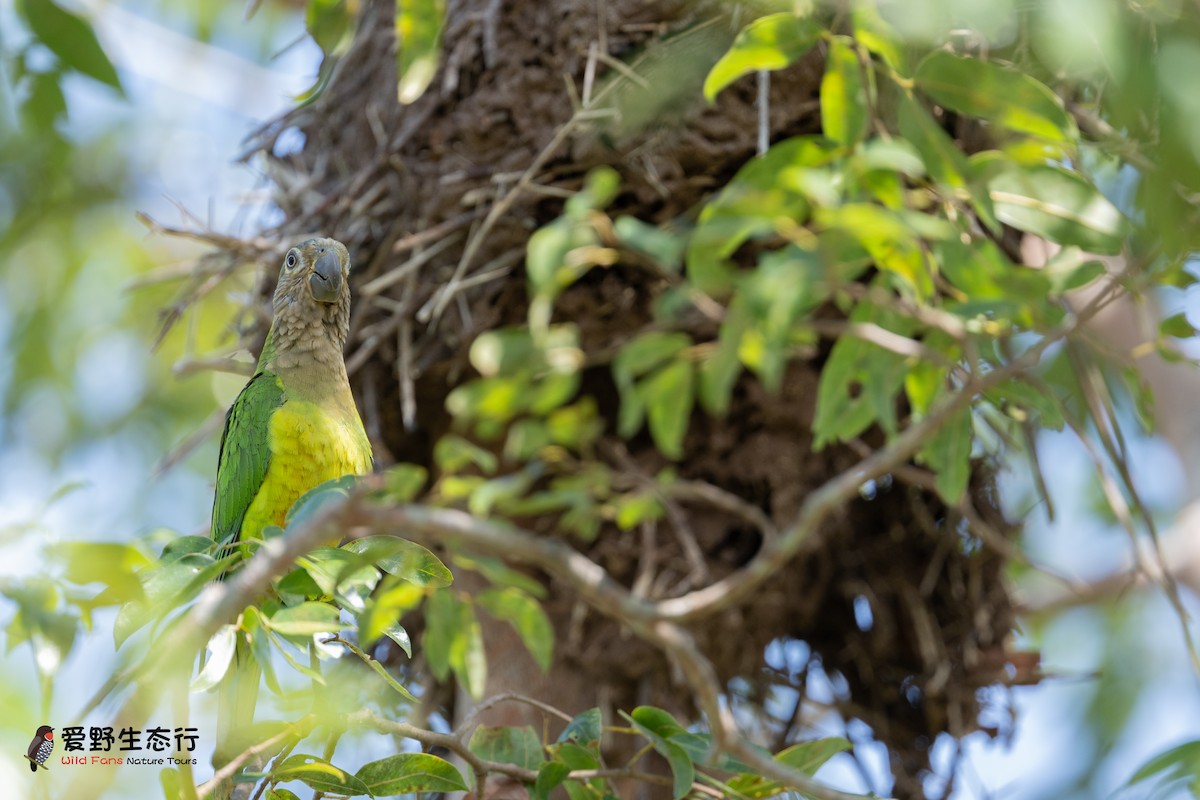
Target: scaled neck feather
[304, 347]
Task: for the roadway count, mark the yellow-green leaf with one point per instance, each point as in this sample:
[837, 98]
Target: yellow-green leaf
[71, 38]
[992, 92]
[769, 43]
[305, 619]
[418, 40]
[668, 397]
[843, 94]
[943, 159]
[319, 774]
[526, 616]
[1060, 206]
[410, 773]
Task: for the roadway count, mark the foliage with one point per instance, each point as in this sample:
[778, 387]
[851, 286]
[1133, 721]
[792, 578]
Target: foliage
[943, 342]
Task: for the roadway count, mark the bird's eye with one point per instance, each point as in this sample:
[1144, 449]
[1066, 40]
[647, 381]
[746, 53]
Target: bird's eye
[290, 261]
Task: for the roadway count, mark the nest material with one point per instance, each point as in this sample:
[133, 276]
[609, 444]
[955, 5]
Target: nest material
[397, 182]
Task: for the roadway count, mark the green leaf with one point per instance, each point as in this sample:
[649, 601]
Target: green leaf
[769, 43]
[280, 794]
[305, 620]
[339, 573]
[71, 38]
[549, 776]
[454, 641]
[1177, 325]
[397, 634]
[408, 773]
[166, 589]
[754, 203]
[453, 453]
[1017, 399]
[319, 774]
[719, 372]
[682, 768]
[943, 159]
[663, 246]
[169, 778]
[525, 614]
[948, 454]
[1070, 269]
[393, 598]
[807, 757]
[468, 658]
[508, 745]
[843, 94]
[442, 612]
[500, 574]
[657, 720]
[418, 42]
[585, 727]
[889, 155]
[330, 24]
[993, 285]
[1181, 763]
[404, 559]
[505, 351]
[375, 666]
[877, 36]
[924, 384]
[891, 239]
[548, 262]
[599, 188]
[404, 482]
[114, 565]
[311, 502]
[988, 91]
[786, 284]
[577, 756]
[220, 654]
[1060, 206]
[299, 582]
[185, 546]
[647, 351]
[668, 396]
[637, 357]
[634, 509]
[859, 382]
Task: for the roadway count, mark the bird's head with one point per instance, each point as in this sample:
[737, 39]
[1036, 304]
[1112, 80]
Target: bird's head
[313, 292]
[315, 273]
[46, 732]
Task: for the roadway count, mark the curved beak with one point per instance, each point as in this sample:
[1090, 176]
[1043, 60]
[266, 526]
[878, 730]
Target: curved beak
[326, 278]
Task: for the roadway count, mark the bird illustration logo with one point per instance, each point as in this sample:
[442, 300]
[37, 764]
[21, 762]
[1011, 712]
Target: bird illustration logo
[40, 748]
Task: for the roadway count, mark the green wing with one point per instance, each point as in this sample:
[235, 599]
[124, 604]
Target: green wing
[245, 454]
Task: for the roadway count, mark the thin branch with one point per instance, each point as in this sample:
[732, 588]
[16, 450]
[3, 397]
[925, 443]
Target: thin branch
[506, 697]
[227, 772]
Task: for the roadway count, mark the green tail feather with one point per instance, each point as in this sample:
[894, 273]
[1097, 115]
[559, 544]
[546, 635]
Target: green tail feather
[237, 697]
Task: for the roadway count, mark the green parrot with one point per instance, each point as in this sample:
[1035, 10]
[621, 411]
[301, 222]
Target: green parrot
[293, 427]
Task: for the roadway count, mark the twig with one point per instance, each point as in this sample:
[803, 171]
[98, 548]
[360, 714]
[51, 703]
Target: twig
[506, 697]
[186, 367]
[764, 111]
[399, 273]
[498, 209]
[226, 772]
[188, 445]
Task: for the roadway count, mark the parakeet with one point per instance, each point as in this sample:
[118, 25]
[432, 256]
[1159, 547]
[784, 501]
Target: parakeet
[40, 748]
[293, 427]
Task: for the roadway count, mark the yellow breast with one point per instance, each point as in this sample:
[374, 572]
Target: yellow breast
[308, 447]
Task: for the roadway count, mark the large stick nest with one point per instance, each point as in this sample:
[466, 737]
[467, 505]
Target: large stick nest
[407, 189]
